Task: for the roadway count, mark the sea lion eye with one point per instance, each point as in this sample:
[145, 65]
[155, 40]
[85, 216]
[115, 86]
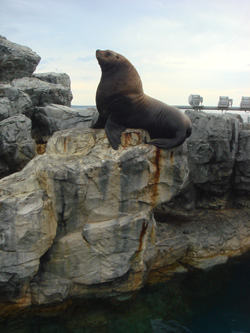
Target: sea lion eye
[117, 57]
[108, 54]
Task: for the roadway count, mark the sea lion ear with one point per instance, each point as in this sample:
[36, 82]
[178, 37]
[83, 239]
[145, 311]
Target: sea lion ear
[114, 131]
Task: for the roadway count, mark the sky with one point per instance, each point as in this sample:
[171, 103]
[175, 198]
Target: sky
[179, 47]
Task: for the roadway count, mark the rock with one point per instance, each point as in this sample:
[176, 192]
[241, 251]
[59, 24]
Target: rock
[42, 93]
[52, 118]
[16, 61]
[242, 170]
[198, 241]
[17, 147]
[5, 108]
[109, 236]
[14, 102]
[212, 150]
[20, 94]
[56, 78]
[102, 201]
[27, 230]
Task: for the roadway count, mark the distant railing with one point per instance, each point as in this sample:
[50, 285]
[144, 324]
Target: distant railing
[225, 104]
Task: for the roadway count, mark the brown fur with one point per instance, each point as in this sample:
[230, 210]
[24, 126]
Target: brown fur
[122, 104]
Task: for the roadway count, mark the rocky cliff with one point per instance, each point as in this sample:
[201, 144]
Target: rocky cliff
[30, 106]
[83, 220]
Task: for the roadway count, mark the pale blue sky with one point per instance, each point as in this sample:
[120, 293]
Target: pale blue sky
[179, 47]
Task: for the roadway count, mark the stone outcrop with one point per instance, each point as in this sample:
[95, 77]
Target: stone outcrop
[56, 78]
[44, 98]
[14, 102]
[16, 61]
[42, 93]
[84, 220]
[17, 147]
[215, 149]
[52, 118]
[79, 219]
[197, 241]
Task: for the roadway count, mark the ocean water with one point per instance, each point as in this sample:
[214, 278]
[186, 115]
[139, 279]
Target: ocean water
[217, 301]
[245, 115]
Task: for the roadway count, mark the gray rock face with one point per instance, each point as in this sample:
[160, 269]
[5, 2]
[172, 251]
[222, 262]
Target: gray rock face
[53, 117]
[42, 93]
[56, 78]
[200, 240]
[218, 151]
[213, 147]
[20, 94]
[242, 170]
[84, 220]
[101, 202]
[17, 147]
[13, 101]
[212, 150]
[16, 61]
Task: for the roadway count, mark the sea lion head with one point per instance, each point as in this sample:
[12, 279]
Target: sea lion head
[109, 59]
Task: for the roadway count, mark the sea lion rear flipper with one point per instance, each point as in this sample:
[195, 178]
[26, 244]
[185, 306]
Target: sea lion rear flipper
[167, 143]
[114, 131]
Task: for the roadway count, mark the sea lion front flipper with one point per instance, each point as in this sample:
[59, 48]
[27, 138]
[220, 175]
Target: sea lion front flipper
[100, 122]
[114, 131]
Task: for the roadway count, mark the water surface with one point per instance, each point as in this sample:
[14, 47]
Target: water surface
[212, 302]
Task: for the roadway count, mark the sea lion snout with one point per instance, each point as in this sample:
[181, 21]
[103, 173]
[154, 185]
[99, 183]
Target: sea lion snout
[98, 53]
[106, 58]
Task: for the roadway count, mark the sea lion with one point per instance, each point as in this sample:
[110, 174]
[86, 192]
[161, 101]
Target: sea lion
[122, 104]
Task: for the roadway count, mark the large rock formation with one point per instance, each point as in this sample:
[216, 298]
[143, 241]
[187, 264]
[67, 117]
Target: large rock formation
[79, 219]
[52, 118]
[36, 97]
[83, 220]
[16, 61]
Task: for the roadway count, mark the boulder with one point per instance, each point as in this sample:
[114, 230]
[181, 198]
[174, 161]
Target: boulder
[212, 150]
[16, 61]
[42, 92]
[17, 147]
[13, 101]
[51, 118]
[56, 78]
[20, 94]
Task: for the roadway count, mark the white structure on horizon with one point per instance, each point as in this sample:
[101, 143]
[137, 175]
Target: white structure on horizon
[225, 103]
[245, 103]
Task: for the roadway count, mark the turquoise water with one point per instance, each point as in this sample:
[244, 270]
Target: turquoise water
[213, 302]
